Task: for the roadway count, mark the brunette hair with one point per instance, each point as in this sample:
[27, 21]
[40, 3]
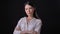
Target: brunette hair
[33, 4]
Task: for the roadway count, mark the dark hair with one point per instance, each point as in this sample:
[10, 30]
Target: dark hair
[33, 4]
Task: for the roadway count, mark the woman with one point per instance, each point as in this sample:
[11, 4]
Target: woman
[29, 24]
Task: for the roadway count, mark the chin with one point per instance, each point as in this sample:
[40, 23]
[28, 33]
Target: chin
[28, 14]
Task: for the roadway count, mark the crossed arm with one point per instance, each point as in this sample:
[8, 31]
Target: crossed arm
[36, 30]
[23, 32]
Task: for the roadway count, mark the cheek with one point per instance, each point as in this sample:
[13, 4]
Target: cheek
[32, 11]
[26, 11]
[29, 11]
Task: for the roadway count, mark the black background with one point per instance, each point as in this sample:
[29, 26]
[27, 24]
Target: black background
[13, 10]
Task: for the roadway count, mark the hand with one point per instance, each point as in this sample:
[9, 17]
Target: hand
[24, 32]
[29, 32]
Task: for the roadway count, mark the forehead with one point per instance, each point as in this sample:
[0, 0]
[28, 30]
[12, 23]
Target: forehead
[28, 6]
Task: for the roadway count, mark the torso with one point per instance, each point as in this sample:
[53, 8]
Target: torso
[28, 25]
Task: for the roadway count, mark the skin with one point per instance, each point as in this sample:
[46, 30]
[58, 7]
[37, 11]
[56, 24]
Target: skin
[29, 11]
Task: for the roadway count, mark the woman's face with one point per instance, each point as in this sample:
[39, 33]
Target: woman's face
[29, 10]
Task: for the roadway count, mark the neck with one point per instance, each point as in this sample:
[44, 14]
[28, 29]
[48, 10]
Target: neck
[30, 17]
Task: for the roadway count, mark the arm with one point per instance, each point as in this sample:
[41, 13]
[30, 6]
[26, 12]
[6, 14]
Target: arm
[37, 28]
[31, 32]
[17, 29]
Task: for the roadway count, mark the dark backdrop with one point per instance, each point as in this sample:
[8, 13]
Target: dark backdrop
[48, 11]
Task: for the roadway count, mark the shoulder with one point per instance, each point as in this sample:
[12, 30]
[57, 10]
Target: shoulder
[22, 18]
[38, 20]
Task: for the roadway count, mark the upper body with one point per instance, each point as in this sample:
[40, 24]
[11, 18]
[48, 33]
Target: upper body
[33, 25]
[29, 24]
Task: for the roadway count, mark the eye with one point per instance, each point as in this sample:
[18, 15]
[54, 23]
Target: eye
[30, 8]
[25, 8]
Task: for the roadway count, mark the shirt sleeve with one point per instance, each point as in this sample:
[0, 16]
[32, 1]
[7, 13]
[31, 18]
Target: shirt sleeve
[18, 25]
[38, 26]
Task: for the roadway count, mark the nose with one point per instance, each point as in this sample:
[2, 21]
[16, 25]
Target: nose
[28, 10]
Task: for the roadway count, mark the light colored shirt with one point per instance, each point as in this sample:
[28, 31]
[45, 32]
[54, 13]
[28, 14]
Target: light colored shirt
[34, 24]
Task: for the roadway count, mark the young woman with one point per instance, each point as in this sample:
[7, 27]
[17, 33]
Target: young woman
[29, 24]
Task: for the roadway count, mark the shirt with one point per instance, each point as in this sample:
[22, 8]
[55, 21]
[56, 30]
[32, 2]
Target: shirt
[34, 24]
